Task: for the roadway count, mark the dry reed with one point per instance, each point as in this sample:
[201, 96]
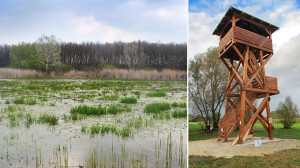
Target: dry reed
[166, 74]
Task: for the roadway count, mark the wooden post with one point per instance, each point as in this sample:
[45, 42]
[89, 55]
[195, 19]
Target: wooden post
[243, 95]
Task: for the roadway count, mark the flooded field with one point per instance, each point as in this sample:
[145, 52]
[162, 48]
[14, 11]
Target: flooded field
[92, 123]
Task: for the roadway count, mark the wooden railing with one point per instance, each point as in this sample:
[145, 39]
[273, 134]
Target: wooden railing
[225, 41]
[271, 83]
[246, 36]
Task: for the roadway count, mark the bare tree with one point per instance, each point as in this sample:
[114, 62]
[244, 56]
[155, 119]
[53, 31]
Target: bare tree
[48, 50]
[207, 82]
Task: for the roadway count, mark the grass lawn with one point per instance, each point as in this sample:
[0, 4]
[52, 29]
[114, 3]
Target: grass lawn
[282, 159]
[196, 133]
[286, 158]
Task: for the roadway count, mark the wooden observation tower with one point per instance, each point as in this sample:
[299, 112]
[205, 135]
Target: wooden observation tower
[245, 48]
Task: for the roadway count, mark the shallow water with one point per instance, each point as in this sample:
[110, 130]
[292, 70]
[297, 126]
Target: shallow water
[159, 144]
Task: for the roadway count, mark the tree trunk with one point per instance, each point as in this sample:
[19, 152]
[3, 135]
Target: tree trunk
[46, 68]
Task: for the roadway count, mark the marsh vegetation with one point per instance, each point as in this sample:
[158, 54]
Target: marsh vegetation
[92, 122]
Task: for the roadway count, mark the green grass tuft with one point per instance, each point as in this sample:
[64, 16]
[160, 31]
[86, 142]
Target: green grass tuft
[129, 100]
[157, 94]
[83, 129]
[109, 97]
[115, 109]
[19, 100]
[179, 113]
[95, 129]
[11, 108]
[30, 101]
[105, 128]
[126, 131]
[88, 110]
[157, 107]
[50, 119]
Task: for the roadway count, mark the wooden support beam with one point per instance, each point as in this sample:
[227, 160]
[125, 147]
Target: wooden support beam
[261, 90]
[232, 76]
[230, 101]
[234, 95]
[263, 75]
[259, 109]
[243, 95]
[271, 136]
[236, 83]
[259, 69]
[230, 68]
[238, 53]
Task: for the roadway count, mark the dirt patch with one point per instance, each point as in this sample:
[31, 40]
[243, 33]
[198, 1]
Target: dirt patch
[218, 149]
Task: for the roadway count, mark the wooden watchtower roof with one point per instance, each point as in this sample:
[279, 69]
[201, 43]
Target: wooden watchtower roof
[239, 27]
[245, 48]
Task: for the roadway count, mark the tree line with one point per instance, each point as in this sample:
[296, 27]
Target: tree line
[91, 55]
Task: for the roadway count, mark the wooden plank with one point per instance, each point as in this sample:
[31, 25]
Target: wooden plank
[252, 45]
[251, 37]
[261, 90]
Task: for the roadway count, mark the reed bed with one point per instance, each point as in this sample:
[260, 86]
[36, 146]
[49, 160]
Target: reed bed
[167, 74]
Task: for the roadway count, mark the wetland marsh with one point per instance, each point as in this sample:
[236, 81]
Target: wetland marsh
[48, 122]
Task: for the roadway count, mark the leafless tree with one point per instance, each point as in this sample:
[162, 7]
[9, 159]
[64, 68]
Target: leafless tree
[207, 82]
[48, 50]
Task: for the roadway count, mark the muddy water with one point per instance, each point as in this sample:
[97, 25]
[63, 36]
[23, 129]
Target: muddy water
[67, 145]
[160, 144]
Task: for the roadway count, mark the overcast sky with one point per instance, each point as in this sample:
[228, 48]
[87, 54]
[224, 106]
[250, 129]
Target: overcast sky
[94, 20]
[204, 16]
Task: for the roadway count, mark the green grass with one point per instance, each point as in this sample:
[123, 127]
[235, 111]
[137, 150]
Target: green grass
[129, 100]
[109, 97]
[175, 104]
[135, 122]
[126, 131]
[157, 94]
[30, 101]
[11, 108]
[167, 115]
[114, 129]
[259, 131]
[19, 100]
[95, 129]
[29, 120]
[83, 128]
[51, 104]
[88, 110]
[179, 113]
[181, 105]
[285, 159]
[50, 119]
[157, 107]
[137, 93]
[105, 128]
[115, 109]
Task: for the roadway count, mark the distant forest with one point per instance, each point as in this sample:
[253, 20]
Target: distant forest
[91, 56]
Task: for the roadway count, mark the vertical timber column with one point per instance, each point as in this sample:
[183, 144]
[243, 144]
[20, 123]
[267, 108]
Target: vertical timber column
[243, 95]
[269, 119]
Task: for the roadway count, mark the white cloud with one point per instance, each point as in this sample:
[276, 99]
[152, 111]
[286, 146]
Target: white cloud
[95, 30]
[200, 31]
